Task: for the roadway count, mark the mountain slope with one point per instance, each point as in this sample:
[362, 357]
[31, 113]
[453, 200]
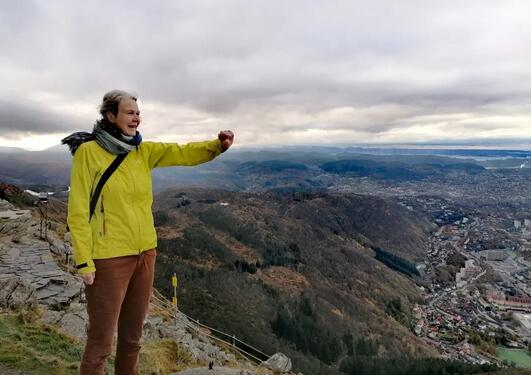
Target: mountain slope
[293, 272]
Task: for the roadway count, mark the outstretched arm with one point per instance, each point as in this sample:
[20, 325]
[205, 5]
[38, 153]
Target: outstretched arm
[194, 153]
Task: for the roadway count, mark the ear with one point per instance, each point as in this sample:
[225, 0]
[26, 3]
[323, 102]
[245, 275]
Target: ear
[111, 117]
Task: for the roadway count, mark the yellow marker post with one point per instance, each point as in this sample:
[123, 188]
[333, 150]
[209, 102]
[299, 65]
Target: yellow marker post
[174, 280]
[174, 299]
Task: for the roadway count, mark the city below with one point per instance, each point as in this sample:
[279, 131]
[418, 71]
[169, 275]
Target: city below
[489, 299]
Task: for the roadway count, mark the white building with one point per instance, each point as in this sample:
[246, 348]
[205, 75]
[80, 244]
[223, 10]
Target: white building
[467, 272]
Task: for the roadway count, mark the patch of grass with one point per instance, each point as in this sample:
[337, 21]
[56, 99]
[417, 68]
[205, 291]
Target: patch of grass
[164, 357]
[37, 348]
[520, 358]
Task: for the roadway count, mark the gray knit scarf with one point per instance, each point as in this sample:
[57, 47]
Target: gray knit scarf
[107, 135]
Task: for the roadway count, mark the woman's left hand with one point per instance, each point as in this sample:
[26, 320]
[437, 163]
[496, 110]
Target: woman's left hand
[226, 137]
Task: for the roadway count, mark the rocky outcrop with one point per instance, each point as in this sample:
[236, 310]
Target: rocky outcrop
[200, 347]
[35, 265]
[5, 205]
[15, 294]
[13, 223]
[23, 255]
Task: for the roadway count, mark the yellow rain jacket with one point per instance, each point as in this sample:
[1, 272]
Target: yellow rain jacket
[122, 223]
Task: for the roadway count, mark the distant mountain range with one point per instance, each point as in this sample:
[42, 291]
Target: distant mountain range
[283, 169]
[11, 150]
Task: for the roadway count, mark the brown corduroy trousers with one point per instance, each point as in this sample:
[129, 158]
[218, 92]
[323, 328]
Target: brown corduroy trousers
[119, 297]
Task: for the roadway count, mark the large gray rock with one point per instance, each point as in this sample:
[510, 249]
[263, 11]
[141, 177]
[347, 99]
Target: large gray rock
[16, 293]
[5, 205]
[71, 321]
[58, 247]
[15, 225]
[279, 362]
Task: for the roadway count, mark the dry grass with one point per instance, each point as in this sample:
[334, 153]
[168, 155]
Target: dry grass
[283, 279]
[164, 357]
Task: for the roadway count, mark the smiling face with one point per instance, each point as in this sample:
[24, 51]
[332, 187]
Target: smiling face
[128, 117]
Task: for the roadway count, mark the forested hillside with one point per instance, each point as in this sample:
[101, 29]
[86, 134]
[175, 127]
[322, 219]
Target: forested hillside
[294, 273]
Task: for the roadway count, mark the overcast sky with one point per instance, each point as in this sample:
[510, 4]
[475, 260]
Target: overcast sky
[275, 72]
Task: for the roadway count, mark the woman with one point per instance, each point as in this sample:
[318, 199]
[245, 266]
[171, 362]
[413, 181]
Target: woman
[114, 248]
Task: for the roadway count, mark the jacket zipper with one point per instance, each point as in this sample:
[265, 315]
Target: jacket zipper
[136, 216]
[103, 215]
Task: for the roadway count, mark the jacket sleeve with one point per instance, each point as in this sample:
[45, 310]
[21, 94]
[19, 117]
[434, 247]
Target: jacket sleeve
[78, 211]
[170, 154]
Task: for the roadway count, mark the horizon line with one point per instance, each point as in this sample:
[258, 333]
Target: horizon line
[525, 147]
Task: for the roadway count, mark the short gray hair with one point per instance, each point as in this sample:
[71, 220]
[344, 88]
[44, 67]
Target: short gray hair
[111, 101]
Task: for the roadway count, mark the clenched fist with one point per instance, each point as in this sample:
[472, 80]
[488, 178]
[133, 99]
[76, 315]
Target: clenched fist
[226, 138]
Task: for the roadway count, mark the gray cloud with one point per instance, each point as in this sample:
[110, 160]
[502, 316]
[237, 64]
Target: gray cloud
[276, 65]
[23, 117]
